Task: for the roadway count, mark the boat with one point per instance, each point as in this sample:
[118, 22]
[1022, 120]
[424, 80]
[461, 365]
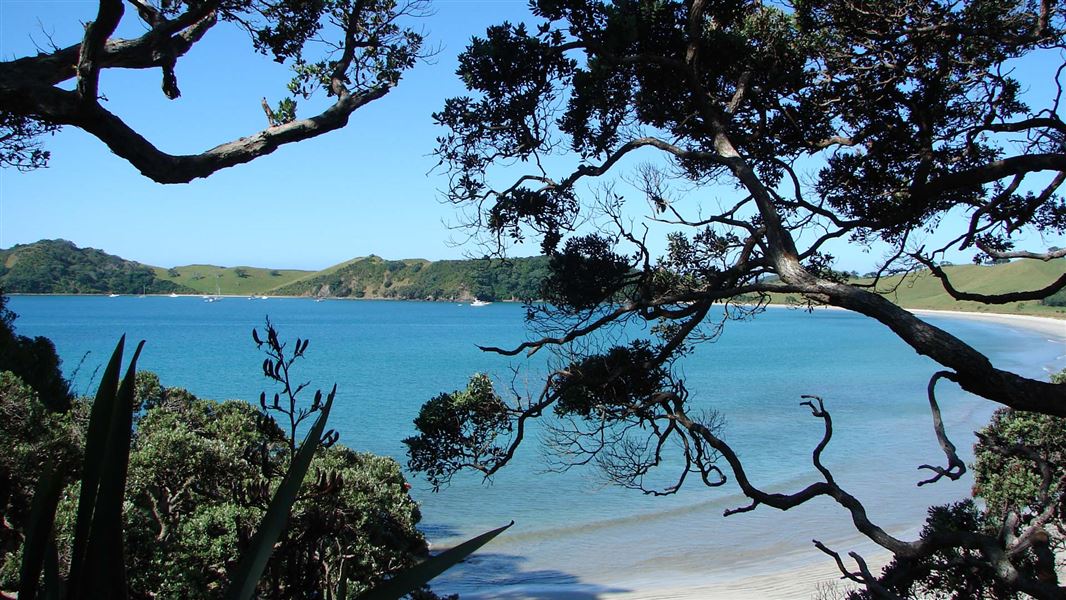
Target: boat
[113, 295]
[479, 302]
[216, 297]
[173, 295]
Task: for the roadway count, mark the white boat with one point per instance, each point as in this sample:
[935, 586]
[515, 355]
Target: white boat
[173, 295]
[113, 295]
[479, 302]
[216, 297]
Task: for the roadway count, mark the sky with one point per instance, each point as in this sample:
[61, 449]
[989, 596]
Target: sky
[369, 188]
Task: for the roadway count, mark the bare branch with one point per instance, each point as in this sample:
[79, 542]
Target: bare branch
[956, 467]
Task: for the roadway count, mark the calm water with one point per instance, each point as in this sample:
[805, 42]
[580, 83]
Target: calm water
[572, 531]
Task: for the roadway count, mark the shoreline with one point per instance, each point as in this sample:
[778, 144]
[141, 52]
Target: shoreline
[1042, 324]
[661, 565]
[799, 574]
[1003, 318]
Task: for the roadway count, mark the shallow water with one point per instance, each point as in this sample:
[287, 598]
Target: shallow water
[573, 532]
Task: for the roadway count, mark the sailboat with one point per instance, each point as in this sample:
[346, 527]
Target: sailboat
[216, 297]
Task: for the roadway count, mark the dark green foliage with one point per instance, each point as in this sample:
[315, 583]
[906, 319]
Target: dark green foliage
[34, 361]
[1007, 475]
[458, 430]
[619, 384]
[585, 274]
[35, 438]
[60, 267]
[1019, 470]
[374, 277]
[951, 574]
[201, 476]
[1056, 299]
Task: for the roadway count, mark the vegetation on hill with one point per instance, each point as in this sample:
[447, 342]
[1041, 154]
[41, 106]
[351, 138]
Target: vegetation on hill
[60, 267]
[237, 281]
[415, 279]
[923, 290]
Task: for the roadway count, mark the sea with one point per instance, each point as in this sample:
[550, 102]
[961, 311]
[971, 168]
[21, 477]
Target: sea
[575, 534]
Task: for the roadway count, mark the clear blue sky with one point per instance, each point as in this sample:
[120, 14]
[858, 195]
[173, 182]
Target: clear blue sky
[364, 189]
[368, 188]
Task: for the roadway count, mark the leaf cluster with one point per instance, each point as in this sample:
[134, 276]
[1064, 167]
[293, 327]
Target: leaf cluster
[621, 384]
[459, 430]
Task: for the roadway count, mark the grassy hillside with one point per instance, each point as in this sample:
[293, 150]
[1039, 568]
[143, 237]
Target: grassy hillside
[923, 290]
[375, 277]
[60, 267]
[240, 281]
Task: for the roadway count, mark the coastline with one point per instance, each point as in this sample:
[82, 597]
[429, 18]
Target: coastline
[658, 555]
[1044, 325]
[795, 574]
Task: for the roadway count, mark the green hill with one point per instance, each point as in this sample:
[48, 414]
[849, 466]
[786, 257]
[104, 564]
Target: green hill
[417, 279]
[923, 290]
[60, 267]
[237, 281]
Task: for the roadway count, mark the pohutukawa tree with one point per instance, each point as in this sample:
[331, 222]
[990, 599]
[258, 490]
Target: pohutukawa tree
[353, 51]
[859, 120]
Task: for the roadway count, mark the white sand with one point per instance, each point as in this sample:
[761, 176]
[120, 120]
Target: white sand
[789, 577]
[1044, 325]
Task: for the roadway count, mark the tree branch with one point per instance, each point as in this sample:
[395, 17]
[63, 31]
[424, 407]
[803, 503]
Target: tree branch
[59, 106]
[956, 467]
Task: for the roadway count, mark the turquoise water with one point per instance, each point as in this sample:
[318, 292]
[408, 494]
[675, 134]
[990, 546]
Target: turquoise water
[573, 532]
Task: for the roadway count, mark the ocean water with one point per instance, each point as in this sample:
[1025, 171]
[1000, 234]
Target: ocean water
[574, 532]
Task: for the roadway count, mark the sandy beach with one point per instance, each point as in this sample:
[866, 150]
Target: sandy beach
[1045, 325]
[797, 575]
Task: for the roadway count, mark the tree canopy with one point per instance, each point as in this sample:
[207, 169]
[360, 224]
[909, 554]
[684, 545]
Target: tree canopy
[768, 131]
[352, 51]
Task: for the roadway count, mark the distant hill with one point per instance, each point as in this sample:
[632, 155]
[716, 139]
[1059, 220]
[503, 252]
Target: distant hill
[923, 290]
[237, 281]
[60, 267]
[417, 279]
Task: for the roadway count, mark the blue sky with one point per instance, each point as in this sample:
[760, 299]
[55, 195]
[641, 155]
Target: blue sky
[364, 189]
[368, 188]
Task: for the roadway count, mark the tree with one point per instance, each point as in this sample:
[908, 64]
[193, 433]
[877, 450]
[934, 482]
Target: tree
[354, 52]
[869, 122]
[1019, 473]
[34, 361]
[201, 474]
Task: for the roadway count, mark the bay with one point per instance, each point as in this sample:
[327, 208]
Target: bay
[573, 531]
